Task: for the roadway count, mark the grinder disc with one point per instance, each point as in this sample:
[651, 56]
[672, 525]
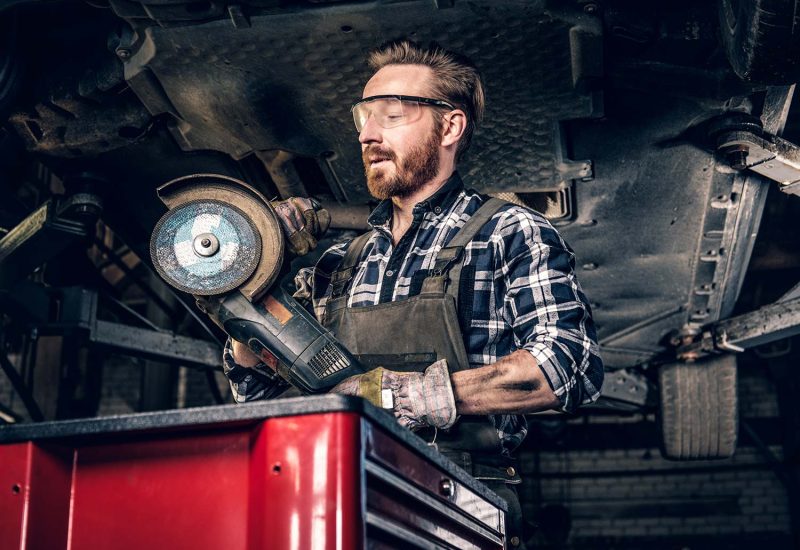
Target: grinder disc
[205, 247]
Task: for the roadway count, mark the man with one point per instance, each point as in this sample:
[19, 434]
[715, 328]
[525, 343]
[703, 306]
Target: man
[468, 307]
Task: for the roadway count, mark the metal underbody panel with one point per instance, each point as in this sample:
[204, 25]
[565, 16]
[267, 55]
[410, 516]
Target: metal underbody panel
[287, 81]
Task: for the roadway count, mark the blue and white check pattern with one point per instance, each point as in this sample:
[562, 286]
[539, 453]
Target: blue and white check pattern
[251, 384]
[525, 294]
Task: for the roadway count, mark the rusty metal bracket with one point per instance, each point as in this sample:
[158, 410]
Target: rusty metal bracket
[770, 156]
[626, 390]
[766, 324]
[748, 143]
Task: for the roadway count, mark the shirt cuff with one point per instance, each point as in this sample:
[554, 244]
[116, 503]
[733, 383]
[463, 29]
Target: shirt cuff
[553, 373]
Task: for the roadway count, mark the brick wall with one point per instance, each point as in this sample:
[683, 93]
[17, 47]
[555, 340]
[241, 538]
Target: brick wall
[122, 387]
[198, 393]
[616, 495]
[636, 492]
[757, 395]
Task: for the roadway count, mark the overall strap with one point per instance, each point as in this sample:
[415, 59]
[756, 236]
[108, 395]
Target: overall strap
[449, 261]
[347, 266]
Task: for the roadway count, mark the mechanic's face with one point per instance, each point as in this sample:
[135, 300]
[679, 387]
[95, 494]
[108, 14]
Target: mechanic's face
[400, 160]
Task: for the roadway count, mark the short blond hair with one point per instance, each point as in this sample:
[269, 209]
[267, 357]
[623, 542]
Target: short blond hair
[456, 79]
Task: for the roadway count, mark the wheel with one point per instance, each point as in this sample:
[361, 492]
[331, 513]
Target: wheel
[698, 416]
[760, 39]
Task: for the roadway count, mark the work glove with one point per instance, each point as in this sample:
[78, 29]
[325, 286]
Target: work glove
[417, 399]
[304, 221]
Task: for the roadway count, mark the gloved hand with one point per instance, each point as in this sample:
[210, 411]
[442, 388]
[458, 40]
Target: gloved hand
[417, 399]
[304, 221]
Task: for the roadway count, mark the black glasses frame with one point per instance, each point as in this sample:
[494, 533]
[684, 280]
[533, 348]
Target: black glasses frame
[422, 100]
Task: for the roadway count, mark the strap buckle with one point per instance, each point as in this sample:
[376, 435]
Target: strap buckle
[446, 258]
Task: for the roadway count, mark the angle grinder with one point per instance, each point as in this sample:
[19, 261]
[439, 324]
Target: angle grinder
[222, 242]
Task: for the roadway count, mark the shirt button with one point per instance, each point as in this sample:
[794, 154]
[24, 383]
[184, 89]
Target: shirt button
[437, 210]
[514, 541]
[511, 471]
[389, 273]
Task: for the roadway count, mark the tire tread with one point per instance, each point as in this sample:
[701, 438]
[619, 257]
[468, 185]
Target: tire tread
[698, 416]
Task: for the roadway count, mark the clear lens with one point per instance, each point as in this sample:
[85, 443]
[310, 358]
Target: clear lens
[388, 112]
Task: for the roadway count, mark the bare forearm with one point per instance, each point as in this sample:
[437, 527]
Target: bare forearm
[512, 385]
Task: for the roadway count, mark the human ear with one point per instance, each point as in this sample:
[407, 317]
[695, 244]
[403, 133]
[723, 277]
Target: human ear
[454, 124]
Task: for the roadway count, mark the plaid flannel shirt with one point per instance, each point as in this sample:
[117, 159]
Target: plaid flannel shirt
[523, 295]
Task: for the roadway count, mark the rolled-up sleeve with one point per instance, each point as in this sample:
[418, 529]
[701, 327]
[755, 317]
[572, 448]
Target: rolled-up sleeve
[250, 384]
[548, 312]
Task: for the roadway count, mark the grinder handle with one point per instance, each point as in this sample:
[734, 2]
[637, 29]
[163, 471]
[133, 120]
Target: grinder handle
[309, 356]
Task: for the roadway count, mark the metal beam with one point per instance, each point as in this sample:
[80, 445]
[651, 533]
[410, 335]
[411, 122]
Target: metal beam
[50, 229]
[790, 294]
[766, 153]
[160, 346]
[766, 324]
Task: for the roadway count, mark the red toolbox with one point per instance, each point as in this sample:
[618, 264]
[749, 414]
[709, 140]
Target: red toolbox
[326, 472]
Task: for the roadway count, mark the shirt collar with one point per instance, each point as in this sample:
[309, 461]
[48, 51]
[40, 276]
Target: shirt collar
[439, 202]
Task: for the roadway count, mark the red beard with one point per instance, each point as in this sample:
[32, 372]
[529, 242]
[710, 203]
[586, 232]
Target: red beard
[419, 166]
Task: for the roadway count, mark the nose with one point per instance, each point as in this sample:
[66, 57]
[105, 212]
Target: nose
[370, 133]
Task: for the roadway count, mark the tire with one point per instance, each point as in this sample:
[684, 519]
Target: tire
[698, 414]
[761, 39]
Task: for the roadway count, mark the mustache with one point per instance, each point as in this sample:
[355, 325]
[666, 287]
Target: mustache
[376, 151]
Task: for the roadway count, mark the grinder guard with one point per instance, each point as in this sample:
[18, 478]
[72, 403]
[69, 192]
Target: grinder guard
[257, 311]
[224, 189]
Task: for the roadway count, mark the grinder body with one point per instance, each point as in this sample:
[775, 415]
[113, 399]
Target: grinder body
[222, 242]
[309, 357]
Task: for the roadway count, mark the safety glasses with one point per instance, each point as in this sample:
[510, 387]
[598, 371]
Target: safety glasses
[392, 110]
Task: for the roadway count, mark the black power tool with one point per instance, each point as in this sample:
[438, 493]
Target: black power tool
[222, 242]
